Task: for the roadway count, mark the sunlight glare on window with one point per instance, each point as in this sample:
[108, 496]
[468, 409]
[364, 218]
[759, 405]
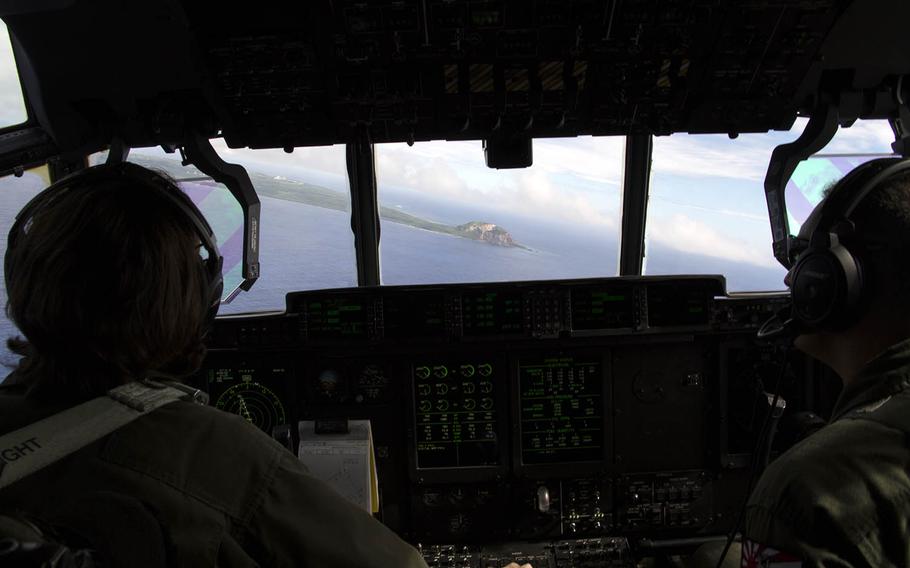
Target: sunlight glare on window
[12, 103]
[865, 140]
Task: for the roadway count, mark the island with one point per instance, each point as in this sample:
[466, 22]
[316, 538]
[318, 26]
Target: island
[281, 187]
[488, 233]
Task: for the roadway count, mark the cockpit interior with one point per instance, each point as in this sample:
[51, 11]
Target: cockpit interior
[609, 411]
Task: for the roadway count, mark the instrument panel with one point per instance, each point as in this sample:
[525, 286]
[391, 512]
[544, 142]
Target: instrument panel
[561, 409]
[483, 312]
[541, 412]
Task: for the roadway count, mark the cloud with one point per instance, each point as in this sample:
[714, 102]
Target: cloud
[716, 155]
[597, 159]
[865, 136]
[578, 180]
[747, 157]
[685, 234]
[569, 181]
[324, 159]
[535, 193]
[719, 211]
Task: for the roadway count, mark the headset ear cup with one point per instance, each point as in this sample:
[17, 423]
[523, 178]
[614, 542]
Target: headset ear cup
[814, 288]
[827, 287]
[827, 283]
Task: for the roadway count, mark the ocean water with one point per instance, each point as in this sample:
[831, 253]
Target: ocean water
[305, 247]
[14, 194]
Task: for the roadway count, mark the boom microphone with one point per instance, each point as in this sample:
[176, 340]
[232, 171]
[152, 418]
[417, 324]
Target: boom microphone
[781, 326]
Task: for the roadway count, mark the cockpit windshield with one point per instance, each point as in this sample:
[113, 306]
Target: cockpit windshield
[306, 239]
[707, 211]
[447, 217]
[12, 103]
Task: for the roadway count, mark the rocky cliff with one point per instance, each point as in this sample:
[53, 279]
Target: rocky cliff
[487, 232]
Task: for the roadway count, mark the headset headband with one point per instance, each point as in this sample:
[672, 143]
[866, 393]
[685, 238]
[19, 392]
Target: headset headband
[842, 201]
[173, 194]
[828, 284]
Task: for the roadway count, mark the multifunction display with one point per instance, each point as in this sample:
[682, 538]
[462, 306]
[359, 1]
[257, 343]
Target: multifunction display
[492, 313]
[678, 303]
[602, 308]
[561, 402]
[455, 414]
[485, 312]
[411, 315]
[337, 317]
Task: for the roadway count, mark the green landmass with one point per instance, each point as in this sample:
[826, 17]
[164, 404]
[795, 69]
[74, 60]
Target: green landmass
[319, 196]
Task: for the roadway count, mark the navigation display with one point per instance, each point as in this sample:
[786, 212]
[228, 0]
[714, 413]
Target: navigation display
[455, 414]
[602, 308]
[416, 316]
[491, 313]
[251, 389]
[561, 401]
[337, 318]
[678, 303]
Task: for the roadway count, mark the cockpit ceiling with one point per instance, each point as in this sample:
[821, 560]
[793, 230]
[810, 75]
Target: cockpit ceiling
[279, 74]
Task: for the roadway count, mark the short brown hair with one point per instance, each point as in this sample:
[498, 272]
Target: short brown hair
[107, 285]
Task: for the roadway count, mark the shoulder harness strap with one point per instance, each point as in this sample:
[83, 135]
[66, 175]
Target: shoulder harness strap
[36, 446]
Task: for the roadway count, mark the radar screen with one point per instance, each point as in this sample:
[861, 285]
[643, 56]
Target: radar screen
[337, 318]
[456, 421]
[491, 313]
[561, 402]
[602, 308]
[249, 392]
[415, 315]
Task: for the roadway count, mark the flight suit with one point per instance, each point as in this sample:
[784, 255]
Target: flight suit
[224, 493]
[842, 496]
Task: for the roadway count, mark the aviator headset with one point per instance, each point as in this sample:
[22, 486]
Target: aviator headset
[827, 281]
[211, 265]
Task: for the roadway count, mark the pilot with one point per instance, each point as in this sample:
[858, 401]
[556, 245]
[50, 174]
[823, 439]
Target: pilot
[107, 282]
[841, 497]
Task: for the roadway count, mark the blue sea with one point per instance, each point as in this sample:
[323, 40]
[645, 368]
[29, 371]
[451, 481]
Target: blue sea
[305, 247]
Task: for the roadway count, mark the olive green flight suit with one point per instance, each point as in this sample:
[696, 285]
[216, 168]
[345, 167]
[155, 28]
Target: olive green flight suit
[224, 493]
[842, 496]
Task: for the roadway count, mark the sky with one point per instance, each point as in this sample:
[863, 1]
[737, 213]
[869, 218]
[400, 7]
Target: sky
[706, 194]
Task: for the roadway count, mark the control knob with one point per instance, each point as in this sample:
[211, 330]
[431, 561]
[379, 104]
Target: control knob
[543, 499]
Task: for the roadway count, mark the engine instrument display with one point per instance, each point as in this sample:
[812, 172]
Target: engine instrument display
[456, 422]
[602, 308]
[562, 410]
